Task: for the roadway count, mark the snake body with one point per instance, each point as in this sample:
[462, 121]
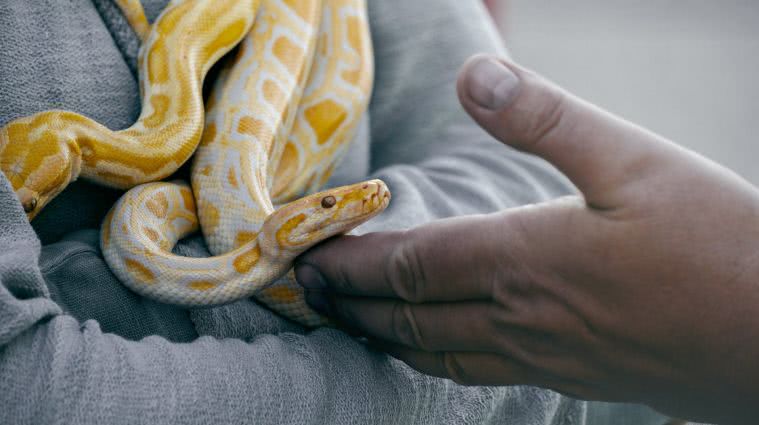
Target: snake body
[41, 154]
[285, 107]
[280, 116]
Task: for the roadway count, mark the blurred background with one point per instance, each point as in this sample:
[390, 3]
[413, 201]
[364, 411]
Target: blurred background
[687, 69]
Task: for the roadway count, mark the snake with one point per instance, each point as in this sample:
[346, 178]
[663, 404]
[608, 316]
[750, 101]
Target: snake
[279, 117]
[43, 153]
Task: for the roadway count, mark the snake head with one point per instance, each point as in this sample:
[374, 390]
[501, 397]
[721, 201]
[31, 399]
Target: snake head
[38, 159]
[305, 222]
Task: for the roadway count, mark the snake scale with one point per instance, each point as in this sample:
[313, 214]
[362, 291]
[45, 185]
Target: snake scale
[278, 118]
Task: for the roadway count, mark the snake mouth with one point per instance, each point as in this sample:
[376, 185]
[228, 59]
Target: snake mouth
[371, 204]
[373, 196]
[377, 201]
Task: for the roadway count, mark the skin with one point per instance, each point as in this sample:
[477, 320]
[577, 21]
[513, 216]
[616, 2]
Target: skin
[642, 288]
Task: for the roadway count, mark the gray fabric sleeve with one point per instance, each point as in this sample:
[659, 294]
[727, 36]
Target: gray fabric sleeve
[83, 285]
[436, 161]
[55, 369]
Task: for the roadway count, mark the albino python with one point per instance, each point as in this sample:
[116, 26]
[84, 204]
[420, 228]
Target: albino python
[41, 154]
[280, 116]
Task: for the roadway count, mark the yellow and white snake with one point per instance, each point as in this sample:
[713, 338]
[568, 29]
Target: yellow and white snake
[280, 116]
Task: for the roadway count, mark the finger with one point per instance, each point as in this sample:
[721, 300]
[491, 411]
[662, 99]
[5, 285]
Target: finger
[598, 151]
[427, 327]
[452, 259]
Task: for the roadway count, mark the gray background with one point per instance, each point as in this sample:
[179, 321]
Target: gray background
[685, 69]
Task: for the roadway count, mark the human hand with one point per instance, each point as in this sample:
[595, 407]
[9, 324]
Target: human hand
[644, 289]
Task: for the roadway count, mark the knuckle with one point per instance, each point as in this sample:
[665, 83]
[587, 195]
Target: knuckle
[406, 327]
[343, 282]
[405, 273]
[517, 350]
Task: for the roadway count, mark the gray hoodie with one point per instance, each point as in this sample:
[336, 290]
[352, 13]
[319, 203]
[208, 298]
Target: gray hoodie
[77, 347]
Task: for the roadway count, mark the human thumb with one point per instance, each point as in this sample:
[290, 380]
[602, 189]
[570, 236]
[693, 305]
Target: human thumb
[598, 151]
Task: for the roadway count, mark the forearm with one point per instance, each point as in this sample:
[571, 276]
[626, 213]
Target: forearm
[65, 372]
[55, 369]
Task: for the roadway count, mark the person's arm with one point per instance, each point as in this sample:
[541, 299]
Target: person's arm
[643, 289]
[55, 369]
[435, 159]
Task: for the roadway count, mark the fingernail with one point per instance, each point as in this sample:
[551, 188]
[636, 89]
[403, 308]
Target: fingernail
[491, 84]
[317, 301]
[309, 277]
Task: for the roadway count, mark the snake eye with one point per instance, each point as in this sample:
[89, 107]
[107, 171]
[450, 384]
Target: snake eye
[29, 205]
[328, 201]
